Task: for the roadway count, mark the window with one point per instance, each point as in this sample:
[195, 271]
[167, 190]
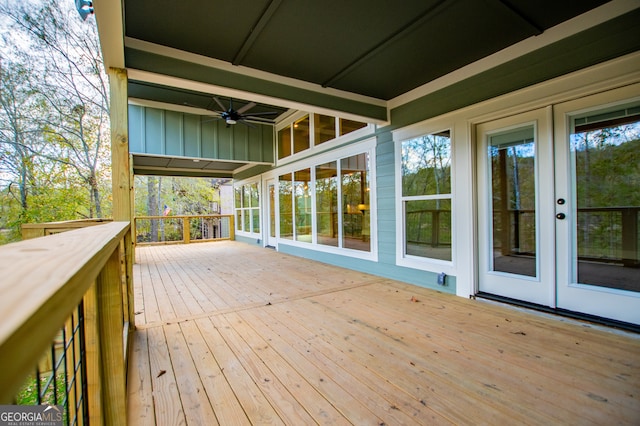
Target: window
[301, 135]
[284, 143]
[302, 203]
[324, 128]
[355, 202]
[286, 206]
[348, 126]
[247, 205]
[297, 136]
[328, 205]
[426, 196]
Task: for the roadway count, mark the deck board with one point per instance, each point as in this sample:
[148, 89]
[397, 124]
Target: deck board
[233, 334]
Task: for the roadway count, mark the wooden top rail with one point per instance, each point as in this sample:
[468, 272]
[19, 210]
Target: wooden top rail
[35, 230]
[41, 282]
[188, 216]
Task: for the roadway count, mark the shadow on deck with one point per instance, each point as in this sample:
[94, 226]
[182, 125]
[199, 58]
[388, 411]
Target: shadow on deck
[232, 334]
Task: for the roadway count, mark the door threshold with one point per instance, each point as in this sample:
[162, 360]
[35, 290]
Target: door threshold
[626, 326]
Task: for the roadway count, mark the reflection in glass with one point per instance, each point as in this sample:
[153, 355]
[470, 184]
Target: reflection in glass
[302, 204]
[286, 206]
[605, 150]
[272, 211]
[238, 197]
[327, 203]
[255, 220]
[254, 195]
[426, 165]
[301, 135]
[354, 178]
[246, 215]
[426, 178]
[284, 142]
[324, 128]
[428, 228]
[348, 126]
[512, 155]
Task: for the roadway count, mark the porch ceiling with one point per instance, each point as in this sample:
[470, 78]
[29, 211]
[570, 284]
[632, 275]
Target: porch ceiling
[349, 58]
[144, 164]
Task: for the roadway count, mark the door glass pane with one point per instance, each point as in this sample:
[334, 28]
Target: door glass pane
[605, 150]
[513, 206]
[327, 203]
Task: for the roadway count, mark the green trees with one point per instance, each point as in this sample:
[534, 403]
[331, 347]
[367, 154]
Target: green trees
[54, 128]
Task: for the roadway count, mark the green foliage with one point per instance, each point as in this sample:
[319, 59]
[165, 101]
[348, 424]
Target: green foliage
[183, 196]
[28, 395]
[54, 117]
[608, 168]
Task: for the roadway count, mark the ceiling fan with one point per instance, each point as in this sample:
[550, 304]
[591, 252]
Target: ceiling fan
[232, 116]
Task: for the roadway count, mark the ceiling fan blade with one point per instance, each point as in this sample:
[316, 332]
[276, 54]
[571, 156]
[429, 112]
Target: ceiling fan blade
[260, 120]
[246, 123]
[256, 114]
[222, 107]
[247, 107]
[209, 120]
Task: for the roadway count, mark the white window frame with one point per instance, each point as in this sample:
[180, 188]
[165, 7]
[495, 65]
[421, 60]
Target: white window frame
[367, 146]
[403, 259]
[243, 210]
[313, 148]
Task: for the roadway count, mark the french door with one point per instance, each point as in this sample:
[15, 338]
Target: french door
[559, 206]
[516, 257]
[597, 159]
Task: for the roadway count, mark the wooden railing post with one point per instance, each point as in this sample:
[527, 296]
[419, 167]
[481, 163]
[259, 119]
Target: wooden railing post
[110, 329]
[92, 339]
[186, 230]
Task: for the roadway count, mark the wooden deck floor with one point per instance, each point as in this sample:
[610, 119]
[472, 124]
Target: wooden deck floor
[231, 334]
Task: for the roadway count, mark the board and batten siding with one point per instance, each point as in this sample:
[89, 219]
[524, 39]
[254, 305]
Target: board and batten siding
[178, 134]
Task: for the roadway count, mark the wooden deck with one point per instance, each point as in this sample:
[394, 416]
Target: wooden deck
[232, 334]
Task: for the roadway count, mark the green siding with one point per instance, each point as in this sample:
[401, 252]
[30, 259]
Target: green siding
[173, 133]
[408, 275]
[209, 140]
[155, 131]
[136, 129]
[603, 42]
[192, 139]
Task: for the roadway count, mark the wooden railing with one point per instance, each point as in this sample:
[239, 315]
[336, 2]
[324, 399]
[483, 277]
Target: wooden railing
[604, 234]
[183, 229]
[45, 281]
[34, 230]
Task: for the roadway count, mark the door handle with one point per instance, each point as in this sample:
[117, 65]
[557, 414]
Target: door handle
[561, 216]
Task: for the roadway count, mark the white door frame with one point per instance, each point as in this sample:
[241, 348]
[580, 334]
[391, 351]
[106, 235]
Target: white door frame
[594, 300]
[269, 206]
[539, 289]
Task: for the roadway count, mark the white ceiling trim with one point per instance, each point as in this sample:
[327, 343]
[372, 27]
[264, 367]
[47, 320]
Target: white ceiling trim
[246, 71]
[566, 29]
[108, 15]
[170, 81]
